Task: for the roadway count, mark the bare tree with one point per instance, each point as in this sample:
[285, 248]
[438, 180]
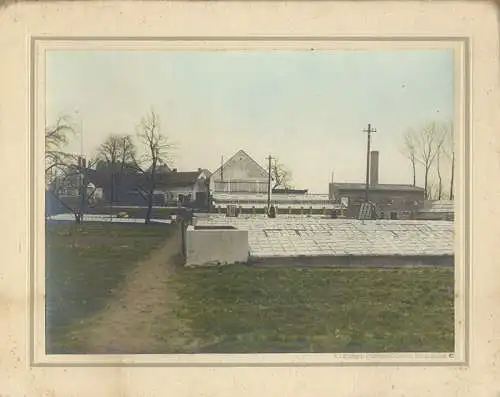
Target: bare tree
[449, 153]
[58, 163]
[157, 148]
[116, 152]
[426, 149]
[439, 142]
[57, 137]
[440, 178]
[409, 150]
[63, 168]
[280, 175]
[75, 175]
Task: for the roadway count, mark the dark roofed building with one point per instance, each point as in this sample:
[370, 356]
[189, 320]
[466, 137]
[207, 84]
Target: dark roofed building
[161, 169]
[186, 187]
[392, 201]
[171, 186]
[378, 187]
[177, 179]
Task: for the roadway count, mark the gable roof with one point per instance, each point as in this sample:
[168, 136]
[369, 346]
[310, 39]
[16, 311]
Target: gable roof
[161, 169]
[379, 186]
[163, 179]
[178, 179]
[245, 154]
[206, 171]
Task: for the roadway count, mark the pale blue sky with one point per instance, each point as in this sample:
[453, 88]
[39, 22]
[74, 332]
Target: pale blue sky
[308, 108]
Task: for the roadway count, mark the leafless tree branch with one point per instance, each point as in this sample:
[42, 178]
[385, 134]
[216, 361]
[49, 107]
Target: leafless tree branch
[409, 151]
[157, 148]
[425, 146]
[280, 175]
[117, 151]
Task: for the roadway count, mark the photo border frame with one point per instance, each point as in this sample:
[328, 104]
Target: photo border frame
[361, 361]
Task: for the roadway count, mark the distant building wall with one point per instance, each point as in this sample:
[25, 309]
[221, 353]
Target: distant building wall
[172, 193]
[197, 192]
[437, 210]
[240, 173]
[251, 186]
[403, 203]
[435, 216]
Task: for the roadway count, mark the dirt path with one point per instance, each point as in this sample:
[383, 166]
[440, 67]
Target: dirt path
[128, 324]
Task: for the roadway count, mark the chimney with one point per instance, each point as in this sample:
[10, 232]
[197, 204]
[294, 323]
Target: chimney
[374, 168]
[331, 192]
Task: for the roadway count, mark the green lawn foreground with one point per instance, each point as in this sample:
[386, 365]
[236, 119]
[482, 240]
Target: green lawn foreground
[84, 263]
[277, 310]
[243, 309]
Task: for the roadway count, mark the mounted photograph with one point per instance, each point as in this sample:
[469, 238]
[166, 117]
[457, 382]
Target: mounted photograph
[251, 201]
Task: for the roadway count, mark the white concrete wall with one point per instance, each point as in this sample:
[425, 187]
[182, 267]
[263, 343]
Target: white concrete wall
[209, 247]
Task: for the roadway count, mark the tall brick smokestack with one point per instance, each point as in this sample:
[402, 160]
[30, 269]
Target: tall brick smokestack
[374, 168]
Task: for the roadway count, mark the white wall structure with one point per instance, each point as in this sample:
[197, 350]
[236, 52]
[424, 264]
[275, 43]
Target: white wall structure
[185, 184]
[97, 193]
[172, 193]
[207, 247]
[241, 173]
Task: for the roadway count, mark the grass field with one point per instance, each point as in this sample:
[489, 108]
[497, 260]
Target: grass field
[84, 265]
[237, 309]
[318, 310]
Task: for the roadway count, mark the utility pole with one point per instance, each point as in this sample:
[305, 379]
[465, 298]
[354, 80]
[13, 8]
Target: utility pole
[81, 137]
[82, 169]
[112, 193]
[222, 172]
[269, 183]
[369, 131]
[83, 186]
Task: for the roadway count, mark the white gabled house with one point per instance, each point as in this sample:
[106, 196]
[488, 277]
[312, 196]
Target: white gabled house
[241, 173]
[244, 183]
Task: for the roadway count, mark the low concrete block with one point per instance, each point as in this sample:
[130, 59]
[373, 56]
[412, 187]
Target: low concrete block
[207, 246]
